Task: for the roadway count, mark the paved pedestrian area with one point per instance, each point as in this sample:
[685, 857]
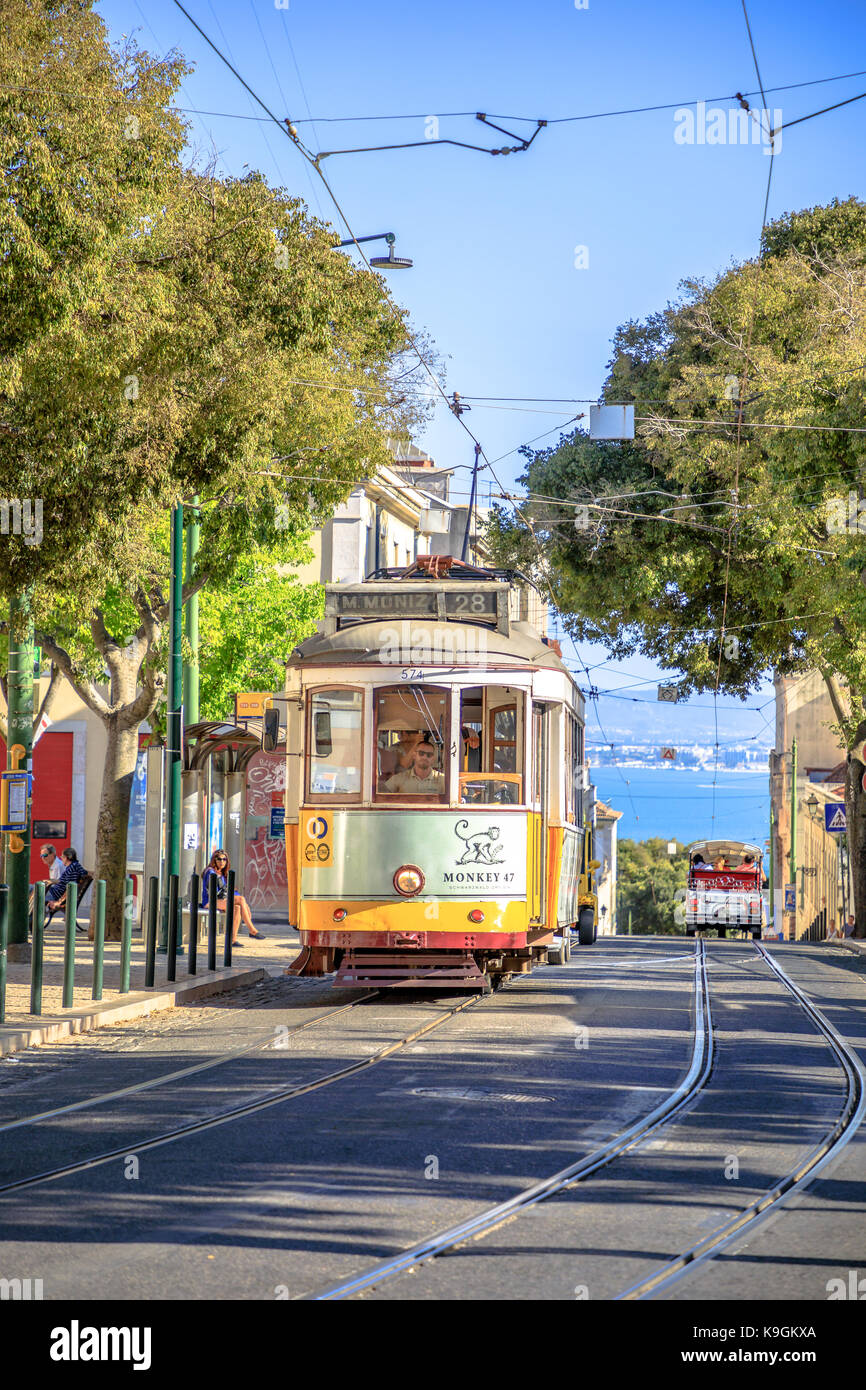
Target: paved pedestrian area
[251, 959]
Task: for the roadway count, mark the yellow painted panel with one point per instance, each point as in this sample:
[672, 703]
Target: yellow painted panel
[415, 916]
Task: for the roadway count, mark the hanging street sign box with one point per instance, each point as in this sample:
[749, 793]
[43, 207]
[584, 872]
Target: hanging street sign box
[790, 897]
[278, 823]
[835, 820]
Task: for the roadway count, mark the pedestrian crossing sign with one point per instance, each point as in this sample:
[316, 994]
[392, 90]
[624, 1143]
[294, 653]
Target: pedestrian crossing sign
[835, 820]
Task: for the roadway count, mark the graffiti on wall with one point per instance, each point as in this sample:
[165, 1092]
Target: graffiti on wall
[265, 882]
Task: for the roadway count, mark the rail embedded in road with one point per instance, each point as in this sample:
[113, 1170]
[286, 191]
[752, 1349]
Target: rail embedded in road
[828, 1148]
[695, 1078]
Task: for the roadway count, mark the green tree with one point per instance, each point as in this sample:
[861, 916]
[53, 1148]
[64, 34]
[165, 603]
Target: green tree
[651, 884]
[170, 334]
[720, 542]
[248, 628]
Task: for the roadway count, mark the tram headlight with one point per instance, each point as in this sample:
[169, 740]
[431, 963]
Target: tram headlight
[408, 880]
[340, 914]
[476, 915]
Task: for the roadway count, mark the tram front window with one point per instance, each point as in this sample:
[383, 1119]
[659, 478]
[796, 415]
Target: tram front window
[334, 742]
[411, 723]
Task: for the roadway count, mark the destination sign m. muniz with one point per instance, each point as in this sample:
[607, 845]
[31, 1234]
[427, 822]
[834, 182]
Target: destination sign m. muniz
[485, 603]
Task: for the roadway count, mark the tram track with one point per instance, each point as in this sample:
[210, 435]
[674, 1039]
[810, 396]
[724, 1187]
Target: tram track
[624, 1140]
[224, 1059]
[260, 1045]
[238, 1112]
[796, 1180]
[807, 1169]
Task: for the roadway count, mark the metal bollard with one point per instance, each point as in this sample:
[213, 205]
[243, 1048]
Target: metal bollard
[150, 946]
[4, 927]
[98, 937]
[193, 925]
[38, 948]
[211, 930]
[230, 917]
[126, 934]
[69, 946]
[171, 967]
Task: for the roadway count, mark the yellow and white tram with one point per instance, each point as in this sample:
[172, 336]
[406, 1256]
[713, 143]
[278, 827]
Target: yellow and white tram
[435, 786]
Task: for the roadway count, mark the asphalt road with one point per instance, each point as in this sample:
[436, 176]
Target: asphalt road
[314, 1189]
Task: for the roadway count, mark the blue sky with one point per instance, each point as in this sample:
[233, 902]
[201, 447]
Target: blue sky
[493, 239]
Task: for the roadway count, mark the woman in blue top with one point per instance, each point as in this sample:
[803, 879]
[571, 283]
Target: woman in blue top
[216, 880]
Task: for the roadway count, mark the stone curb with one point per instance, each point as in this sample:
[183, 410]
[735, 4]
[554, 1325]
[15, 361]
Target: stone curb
[858, 946]
[134, 1005]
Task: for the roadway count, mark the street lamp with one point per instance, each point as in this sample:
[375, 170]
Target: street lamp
[389, 262]
[812, 806]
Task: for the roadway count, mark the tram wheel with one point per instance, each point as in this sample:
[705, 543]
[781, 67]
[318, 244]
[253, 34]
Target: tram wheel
[586, 926]
[756, 934]
[723, 932]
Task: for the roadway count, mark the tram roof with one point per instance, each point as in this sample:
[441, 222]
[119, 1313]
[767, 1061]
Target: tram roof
[714, 847]
[363, 644]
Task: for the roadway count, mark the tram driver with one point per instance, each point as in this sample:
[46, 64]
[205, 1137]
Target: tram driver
[422, 776]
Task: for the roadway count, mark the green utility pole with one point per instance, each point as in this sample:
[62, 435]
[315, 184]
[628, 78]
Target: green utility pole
[19, 754]
[772, 912]
[174, 719]
[793, 853]
[191, 670]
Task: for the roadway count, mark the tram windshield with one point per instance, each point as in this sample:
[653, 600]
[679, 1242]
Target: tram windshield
[411, 726]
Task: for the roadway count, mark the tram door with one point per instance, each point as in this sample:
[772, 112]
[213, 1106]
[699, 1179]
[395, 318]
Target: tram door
[538, 801]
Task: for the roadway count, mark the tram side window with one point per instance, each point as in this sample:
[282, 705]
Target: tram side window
[571, 762]
[334, 743]
[491, 757]
[411, 726]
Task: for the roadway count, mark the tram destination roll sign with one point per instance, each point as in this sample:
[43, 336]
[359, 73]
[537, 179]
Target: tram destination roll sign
[416, 602]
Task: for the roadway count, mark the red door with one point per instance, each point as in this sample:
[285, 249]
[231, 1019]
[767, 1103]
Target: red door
[52, 793]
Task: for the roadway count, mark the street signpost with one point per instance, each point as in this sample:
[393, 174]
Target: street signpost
[835, 820]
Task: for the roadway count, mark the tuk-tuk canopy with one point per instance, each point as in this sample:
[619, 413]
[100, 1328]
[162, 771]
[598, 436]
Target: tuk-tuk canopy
[718, 849]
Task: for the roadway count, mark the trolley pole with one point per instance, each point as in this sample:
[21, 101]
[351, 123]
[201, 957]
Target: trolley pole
[464, 553]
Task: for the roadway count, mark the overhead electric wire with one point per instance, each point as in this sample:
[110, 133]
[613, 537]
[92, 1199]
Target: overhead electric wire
[742, 397]
[553, 120]
[292, 135]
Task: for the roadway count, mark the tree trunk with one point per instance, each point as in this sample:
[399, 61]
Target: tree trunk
[120, 758]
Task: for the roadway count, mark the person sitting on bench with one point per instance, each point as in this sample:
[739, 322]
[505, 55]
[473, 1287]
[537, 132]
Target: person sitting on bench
[73, 872]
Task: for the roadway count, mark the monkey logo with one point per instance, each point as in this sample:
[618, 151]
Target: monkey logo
[481, 847]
